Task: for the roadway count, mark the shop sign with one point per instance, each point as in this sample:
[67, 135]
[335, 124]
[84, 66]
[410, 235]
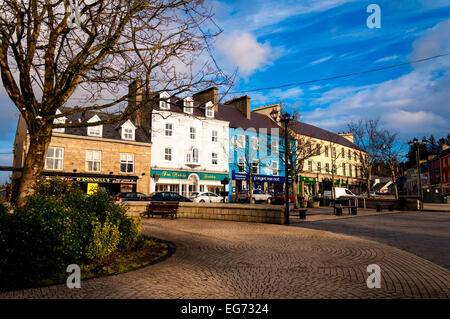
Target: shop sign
[185, 175]
[259, 178]
[308, 180]
[92, 179]
[92, 188]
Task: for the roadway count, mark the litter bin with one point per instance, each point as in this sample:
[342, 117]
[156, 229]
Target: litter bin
[354, 210]
[339, 211]
[302, 214]
[444, 199]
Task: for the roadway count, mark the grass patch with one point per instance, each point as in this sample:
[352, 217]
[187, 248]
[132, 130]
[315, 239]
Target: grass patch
[145, 252]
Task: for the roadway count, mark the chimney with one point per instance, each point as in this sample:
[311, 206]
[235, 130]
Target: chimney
[142, 116]
[207, 95]
[348, 136]
[135, 97]
[242, 104]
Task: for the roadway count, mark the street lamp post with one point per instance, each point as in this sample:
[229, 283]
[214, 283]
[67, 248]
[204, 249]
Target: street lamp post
[415, 143]
[285, 118]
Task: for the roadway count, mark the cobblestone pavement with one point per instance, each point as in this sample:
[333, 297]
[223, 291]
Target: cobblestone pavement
[218, 259]
[425, 234]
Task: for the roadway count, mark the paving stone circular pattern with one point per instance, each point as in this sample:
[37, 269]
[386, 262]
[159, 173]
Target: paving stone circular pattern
[217, 259]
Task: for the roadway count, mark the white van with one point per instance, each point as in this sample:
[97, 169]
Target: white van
[339, 192]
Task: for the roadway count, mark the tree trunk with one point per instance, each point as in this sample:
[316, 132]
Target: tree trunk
[250, 187]
[295, 192]
[394, 180]
[369, 176]
[33, 166]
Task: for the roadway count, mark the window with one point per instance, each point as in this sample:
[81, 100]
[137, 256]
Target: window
[343, 153]
[334, 169]
[310, 148]
[327, 167]
[255, 143]
[349, 154]
[274, 145]
[168, 154]
[189, 157]
[241, 141]
[350, 170]
[93, 161]
[188, 105]
[326, 151]
[95, 130]
[319, 167]
[59, 120]
[255, 166]
[241, 165]
[128, 134]
[126, 162]
[195, 156]
[333, 152]
[209, 109]
[343, 170]
[215, 136]
[192, 133]
[275, 168]
[164, 101]
[215, 159]
[318, 149]
[55, 158]
[310, 164]
[168, 130]
[354, 155]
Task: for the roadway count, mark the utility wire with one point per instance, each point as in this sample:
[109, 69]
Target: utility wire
[328, 78]
[343, 76]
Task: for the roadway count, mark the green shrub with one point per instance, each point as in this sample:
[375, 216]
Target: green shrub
[104, 240]
[59, 226]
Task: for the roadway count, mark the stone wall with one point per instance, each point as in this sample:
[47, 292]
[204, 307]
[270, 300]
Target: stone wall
[411, 204]
[271, 214]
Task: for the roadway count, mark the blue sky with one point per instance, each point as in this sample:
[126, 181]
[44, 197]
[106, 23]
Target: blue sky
[285, 41]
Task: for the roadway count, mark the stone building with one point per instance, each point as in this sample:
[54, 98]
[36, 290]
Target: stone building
[114, 157]
[335, 156]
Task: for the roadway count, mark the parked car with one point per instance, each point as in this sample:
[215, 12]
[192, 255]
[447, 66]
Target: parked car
[258, 196]
[132, 196]
[168, 197]
[207, 197]
[280, 198]
[193, 195]
[338, 192]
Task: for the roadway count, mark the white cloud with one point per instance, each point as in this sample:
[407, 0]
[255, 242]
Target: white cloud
[321, 60]
[388, 58]
[414, 103]
[243, 50]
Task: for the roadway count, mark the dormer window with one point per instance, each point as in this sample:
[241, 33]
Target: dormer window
[209, 109]
[59, 120]
[164, 101]
[127, 131]
[188, 105]
[95, 130]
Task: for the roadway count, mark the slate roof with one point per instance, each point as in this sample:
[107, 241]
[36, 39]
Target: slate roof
[110, 131]
[319, 133]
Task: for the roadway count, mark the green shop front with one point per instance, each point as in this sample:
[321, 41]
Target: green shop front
[307, 186]
[186, 182]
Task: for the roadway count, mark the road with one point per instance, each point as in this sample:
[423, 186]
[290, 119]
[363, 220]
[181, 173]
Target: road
[221, 259]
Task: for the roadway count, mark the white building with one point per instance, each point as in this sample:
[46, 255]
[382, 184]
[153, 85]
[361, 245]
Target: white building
[189, 145]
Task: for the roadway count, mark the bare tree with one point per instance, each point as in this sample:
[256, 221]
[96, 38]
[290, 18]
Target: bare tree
[369, 138]
[51, 50]
[299, 149]
[391, 152]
